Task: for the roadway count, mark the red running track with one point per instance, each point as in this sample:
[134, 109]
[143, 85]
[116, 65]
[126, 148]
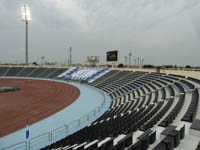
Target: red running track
[35, 101]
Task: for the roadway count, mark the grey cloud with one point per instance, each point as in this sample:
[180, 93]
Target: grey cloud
[146, 27]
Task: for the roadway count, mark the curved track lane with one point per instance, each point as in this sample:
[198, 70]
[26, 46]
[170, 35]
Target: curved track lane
[37, 100]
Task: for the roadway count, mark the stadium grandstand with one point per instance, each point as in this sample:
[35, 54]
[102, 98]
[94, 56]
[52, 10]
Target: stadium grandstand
[99, 75]
[148, 110]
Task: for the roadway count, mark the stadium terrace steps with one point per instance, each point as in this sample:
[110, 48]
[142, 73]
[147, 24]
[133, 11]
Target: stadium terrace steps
[31, 72]
[26, 71]
[3, 70]
[192, 109]
[104, 77]
[37, 72]
[13, 71]
[57, 72]
[45, 73]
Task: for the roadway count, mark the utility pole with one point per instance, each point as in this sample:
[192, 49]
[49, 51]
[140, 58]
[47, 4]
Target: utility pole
[70, 57]
[42, 60]
[138, 60]
[142, 62]
[126, 58]
[135, 62]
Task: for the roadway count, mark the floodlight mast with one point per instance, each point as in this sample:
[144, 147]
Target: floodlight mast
[26, 17]
[130, 54]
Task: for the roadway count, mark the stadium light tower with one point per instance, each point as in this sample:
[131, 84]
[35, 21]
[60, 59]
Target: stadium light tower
[42, 60]
[130, 54]
[26, 17]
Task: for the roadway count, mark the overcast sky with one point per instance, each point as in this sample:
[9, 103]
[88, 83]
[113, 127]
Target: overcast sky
[160, 31]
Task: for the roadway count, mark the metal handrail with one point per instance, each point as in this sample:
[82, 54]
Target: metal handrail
[14, 146]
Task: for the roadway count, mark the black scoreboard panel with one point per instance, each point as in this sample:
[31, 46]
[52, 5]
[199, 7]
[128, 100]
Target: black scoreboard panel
[112, 55]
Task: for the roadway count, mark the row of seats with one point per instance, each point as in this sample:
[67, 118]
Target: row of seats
[108, 75]
[164, 92]
[142, 99]
[172, 115]
[154, 117]
[119, 77]
[192, 109]
[125, 143]
[144, 140]
[136, 83]
[112, 127]
[171, 138]
[188, 84]
[198, 147]
[31, 72]
[194, 80]
[157, 115]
